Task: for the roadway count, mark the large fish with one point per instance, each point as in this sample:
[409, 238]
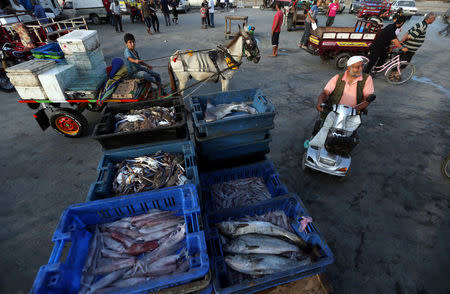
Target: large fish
[259, 244]
[262, 264]
[214, 113]
[237, 228]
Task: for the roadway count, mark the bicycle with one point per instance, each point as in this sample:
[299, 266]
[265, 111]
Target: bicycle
[397, 72]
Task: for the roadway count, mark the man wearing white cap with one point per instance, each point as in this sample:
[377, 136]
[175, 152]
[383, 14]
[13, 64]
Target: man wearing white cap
[350, 88]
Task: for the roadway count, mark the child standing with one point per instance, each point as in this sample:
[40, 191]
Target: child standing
[203, 15]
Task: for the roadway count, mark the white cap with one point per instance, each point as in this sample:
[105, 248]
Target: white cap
[354, 59]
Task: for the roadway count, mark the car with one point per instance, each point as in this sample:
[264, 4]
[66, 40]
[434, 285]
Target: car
[358, 4]
[408, 6]
[184, 5]
[446, 16]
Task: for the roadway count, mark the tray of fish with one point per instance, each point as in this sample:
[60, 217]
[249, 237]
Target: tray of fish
[240, 186]
[140, 123]
[264, 245]
[144, 168]
[231, 111]
[137, 244]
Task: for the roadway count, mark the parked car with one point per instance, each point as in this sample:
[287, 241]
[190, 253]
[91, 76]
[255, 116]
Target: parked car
[358, 4]
[408, 6]
[92, 9]
[184, 5]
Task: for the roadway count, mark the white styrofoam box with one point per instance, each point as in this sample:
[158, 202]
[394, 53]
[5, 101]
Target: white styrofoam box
[25, 74]
[56, 80]
[87, 60]
[79, 41]
[31, 93]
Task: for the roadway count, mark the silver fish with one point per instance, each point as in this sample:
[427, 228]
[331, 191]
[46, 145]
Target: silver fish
[156, 235]
[109, 265]
[167, 223]
[107, 280]
[219, 111]
[111, 243]
[237, 228]
[108, 253]
[259, 244]
[262, 264]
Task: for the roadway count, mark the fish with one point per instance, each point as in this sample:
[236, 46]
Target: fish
[107, 280]
[220, 111]
[259, 244]
[156, 235]
[111, 243]
[126, 232]
[138, 248]
[240, 192]
[125, 240]
[109, 265]
[93, 247]
[237, 228]
[146, 118]
[262, 264]
[161, 225]
[108, 253]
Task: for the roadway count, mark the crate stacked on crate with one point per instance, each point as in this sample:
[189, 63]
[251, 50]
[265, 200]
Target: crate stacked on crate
[178, 260]
[232, 125]
[254, 195]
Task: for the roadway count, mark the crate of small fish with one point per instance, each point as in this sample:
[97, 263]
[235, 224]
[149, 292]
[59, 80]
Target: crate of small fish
[146, 168]
[264, 245]
[240, 186]
[139, 123]
[137, 244]
[231, 111]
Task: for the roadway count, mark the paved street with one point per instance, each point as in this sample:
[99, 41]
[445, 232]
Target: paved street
[387, 225]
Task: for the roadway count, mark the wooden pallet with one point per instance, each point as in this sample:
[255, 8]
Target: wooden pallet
[126, 89]
[316, 284]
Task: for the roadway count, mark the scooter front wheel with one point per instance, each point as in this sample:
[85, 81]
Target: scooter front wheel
[445, 169]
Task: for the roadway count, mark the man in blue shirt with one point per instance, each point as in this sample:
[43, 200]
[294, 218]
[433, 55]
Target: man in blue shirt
[137, 68]
[39, 13]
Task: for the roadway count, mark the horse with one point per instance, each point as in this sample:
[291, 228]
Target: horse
[222, 62]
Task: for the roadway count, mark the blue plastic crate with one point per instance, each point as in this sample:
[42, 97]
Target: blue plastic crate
[102, 188]
[60, 276]
[264, 169]
[226, 281]
[212, 143]
[237, 151]
[264, 118]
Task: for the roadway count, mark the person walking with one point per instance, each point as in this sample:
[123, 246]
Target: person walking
[154, 16]
[164, 4]
[115, 10]
[276, 29]
[174, 5]
[331, 12]
[311, 18]
[211, 13]
[146, 17]
[416, 36]
[206, 2]
[107, 5]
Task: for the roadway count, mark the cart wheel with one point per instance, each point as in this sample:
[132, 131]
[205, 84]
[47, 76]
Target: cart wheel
[69, 122]
[262, 7]
[445, 168]
[96, 19]
[341, 60]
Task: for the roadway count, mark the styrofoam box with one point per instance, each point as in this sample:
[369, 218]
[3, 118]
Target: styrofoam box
[79, 41]
[31, 93]
[87, 60]
[25, 74]
[56, 80]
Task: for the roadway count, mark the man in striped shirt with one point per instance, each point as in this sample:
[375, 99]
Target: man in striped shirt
[416, 36]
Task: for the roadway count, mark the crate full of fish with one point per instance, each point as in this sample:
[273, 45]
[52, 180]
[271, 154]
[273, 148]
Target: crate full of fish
[240, 186]
[139, 123]
[237, 152]
[137, 244]
[231, 111]
[264, 245]
[144, 168]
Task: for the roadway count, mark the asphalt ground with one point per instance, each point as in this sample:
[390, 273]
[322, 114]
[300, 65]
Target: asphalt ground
[387, 225]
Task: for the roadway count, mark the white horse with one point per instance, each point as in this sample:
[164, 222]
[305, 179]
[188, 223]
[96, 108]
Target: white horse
[202, 65]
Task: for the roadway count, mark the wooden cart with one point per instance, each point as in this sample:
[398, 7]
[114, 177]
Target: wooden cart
[228, 25]
[340, 43]
[296, 15]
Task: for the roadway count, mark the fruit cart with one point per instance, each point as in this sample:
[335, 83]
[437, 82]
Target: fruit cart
[340, 43]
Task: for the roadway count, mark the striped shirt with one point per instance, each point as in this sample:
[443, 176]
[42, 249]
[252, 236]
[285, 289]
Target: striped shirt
[416, 36]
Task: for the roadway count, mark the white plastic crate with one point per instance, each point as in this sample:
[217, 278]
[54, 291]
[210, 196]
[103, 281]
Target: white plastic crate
[79, 41]
[25, 74]
[31, 93]
[55, 81]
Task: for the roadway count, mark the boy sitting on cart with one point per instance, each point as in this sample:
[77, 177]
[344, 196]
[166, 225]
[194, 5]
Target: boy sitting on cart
[135, 66]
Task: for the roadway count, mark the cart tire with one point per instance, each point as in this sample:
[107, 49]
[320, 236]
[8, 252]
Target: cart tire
[95, 19]
[341, 60]
[262, 7]
[445, 168]
[33, 106]
[69, 123]
[6, 85]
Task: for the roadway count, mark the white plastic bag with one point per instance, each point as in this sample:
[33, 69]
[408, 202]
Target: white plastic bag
[313, 26]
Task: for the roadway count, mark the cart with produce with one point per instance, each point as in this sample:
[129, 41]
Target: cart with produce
[77, 82]
[340, 43]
